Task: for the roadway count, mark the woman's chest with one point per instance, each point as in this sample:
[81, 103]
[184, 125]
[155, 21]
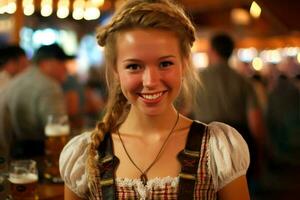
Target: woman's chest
[154, 159]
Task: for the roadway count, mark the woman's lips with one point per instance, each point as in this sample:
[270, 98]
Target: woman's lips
[152, 97]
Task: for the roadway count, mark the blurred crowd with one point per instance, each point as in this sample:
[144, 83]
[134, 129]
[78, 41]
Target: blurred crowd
[277, 87]
[264, 106]
[32, 90]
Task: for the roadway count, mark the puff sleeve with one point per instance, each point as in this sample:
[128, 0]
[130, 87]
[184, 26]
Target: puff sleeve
[229, 154]
[72, 164]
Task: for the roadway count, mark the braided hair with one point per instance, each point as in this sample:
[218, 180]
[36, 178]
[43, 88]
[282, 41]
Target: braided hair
[144, 14]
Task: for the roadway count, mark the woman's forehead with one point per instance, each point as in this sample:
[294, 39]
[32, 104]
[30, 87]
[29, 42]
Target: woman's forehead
[140, 39]
[147, 32]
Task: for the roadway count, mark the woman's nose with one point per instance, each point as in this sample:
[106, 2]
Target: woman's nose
[151, 77]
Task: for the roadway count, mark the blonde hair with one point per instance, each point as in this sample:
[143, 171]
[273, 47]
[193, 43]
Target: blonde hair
[154, 14]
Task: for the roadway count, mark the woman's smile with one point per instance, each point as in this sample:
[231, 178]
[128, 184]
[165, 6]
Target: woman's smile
[152, 97]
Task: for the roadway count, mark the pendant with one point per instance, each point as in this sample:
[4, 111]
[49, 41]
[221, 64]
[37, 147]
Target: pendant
[144, 179]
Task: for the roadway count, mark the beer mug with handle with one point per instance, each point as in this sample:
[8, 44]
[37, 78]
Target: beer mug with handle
[23, 178]
[57, 132]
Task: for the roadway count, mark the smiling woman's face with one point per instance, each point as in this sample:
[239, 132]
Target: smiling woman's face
[149, 68]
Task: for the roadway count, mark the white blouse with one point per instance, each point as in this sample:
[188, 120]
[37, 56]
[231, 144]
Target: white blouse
[228, 160]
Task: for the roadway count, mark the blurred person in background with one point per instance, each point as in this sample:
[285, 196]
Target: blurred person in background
[270, 73]
[95, 95]
[258, 81]
[74, 96]
[28, 100]
[289, 67]
[13, 60]
[281, 177]
[260, 86]
[245, 69]
[228, 97]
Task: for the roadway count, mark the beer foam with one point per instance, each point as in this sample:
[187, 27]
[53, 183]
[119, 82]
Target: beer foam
[23, 178]
[57, 130]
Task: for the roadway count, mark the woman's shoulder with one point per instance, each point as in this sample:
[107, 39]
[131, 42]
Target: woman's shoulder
[226, 139]
[76, 146]
[220, 136]
[72, 163]
[81, 139]
[224, 134]
[228, 154]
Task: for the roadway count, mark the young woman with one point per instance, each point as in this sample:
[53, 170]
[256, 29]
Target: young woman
[143, 148]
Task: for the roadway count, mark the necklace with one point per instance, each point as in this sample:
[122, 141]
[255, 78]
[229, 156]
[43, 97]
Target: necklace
[143, 175]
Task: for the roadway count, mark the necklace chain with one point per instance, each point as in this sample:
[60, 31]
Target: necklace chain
[143, 176]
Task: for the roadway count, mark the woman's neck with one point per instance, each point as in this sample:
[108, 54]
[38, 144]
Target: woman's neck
[140, 124]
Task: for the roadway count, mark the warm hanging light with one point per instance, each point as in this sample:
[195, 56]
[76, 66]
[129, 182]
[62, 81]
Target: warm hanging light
[46, 8]
[255, 10]
[28, 10]
[11, 7]
[271, 56]
[91, 12]
[28, 7]
[2, 7]
[63, 8]
[62, 12]
[97, 3]
[240, 16]
[88, 10]
[78, 14]
[78, 9]
[247, 54]
[257, 63]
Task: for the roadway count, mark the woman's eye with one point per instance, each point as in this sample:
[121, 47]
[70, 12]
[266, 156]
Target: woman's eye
[165, 64]
[133, 67]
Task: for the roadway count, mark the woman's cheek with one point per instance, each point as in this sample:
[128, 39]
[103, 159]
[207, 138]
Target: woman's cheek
[130, 83]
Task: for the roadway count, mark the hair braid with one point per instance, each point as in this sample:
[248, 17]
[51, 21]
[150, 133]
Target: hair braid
[110, 123]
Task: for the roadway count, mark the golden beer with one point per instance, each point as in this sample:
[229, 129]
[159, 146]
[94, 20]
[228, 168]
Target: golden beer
[23, 178]
[56, 138]
[24, 187]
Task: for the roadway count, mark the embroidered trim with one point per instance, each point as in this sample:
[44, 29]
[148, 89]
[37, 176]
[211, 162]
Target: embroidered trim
[187, 176]
[106, 182]
[192, 153]
[106, 159]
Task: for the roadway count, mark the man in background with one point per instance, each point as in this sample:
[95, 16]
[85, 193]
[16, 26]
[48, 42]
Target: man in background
[13, 60]
[228, 97]
[28, 100]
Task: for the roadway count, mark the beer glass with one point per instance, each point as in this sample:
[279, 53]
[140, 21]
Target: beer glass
[23, 178]
[57, 132]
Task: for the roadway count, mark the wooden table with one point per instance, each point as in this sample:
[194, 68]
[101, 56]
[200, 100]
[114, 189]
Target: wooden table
[48, 191]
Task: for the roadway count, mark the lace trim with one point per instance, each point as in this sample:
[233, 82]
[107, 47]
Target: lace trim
[154, 183]
[157, 182]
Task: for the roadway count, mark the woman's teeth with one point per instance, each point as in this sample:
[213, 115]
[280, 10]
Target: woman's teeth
[152, 96]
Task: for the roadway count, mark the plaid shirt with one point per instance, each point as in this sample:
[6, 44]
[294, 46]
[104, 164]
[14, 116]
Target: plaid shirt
[136, 192]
